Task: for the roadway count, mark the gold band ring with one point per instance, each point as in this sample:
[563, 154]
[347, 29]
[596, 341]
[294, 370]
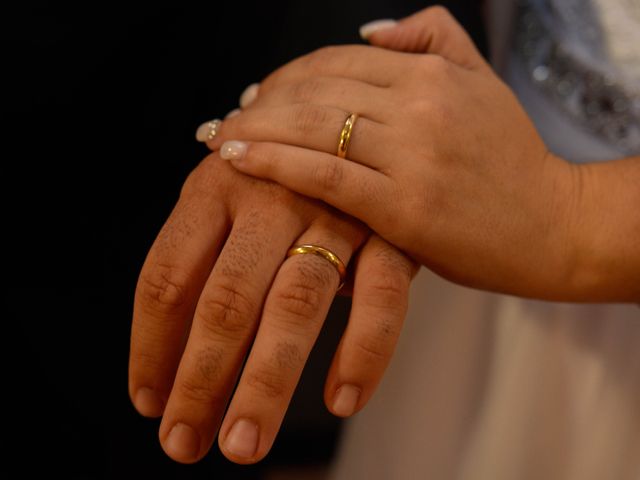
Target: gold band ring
[345, 135]
[324, 253]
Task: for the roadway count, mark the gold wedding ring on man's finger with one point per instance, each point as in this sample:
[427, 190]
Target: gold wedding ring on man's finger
[328, 255]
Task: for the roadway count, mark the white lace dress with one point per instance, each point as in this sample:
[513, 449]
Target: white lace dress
[486, 386]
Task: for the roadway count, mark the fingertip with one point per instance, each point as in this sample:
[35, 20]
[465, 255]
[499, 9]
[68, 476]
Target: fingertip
[148, 403]
[241, 443]
[182, 444]
[208, 130]
[370, 28]
[345, 400]
[249, 95]
[234, 151]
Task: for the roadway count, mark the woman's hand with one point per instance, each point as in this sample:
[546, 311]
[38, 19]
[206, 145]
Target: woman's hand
[217, 290]
[443, 161]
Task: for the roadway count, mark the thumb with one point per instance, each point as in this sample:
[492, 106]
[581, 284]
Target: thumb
[432, 30]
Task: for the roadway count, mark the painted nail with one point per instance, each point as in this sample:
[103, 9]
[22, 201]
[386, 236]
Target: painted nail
[242, 440]
[208, 130]
[233, 150]
[368, 29]
[249, 95]
[183, 443]
[148, 403]
[233, 113]
[345, 401]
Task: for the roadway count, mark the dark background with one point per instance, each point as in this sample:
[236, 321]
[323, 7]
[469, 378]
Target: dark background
[99, 109]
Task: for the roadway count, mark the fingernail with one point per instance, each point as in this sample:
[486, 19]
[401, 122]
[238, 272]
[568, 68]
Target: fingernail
[148, 403]
[208, 130]
[249, 95]
[368, 29]
[233, 113]
[345, 401]
[242, 440]
[183, 443]
[233, 150]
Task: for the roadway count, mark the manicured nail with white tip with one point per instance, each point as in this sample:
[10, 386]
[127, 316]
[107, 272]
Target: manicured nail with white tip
[208, 130]
[249, 95]
[233, 113]
[368, 29]
[233, 150]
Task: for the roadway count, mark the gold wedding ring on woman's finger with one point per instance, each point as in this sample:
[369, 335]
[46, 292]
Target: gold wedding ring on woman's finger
[328, 255]
[345, 135]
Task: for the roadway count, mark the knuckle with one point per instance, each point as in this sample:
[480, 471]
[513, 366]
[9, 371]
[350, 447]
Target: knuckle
[162, 288]
[308, 119]
[440, 13]
[146, 360]
[421, 106]
[209, 365]
[329, 175]
[287, 356]
[196, 391]
[437, 111]
[301, 299]
[320, 58]
[202, 384]
[226, 312]
[267, 382]
[203, 178]
[270, 377]
[371, 350]
[396, 264]
[434, 66]
[388, 291]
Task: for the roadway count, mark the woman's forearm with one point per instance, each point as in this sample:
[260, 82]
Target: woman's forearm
[605, 226]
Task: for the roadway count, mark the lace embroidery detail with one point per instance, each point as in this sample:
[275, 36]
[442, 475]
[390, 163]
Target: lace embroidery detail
[570, 54]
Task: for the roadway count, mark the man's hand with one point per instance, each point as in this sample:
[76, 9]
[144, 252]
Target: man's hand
[217, 289]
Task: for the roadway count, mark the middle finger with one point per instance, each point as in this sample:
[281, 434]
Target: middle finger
[294, 312]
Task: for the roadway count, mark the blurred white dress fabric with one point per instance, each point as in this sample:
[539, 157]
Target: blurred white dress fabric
[491, 387]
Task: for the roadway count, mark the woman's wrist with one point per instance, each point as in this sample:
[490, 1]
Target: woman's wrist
[603, 231]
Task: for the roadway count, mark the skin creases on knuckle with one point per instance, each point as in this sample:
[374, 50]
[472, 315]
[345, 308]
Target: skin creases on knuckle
[392, 260]
[270, 378]
[329, 175]
[287, 356]
[371, 350]
[267, 382]
[300, 300]
[195, 390]
[388, 291]
[308, 119]
[209, 364]
[146, 360]
[162, 288]
[226, 312]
